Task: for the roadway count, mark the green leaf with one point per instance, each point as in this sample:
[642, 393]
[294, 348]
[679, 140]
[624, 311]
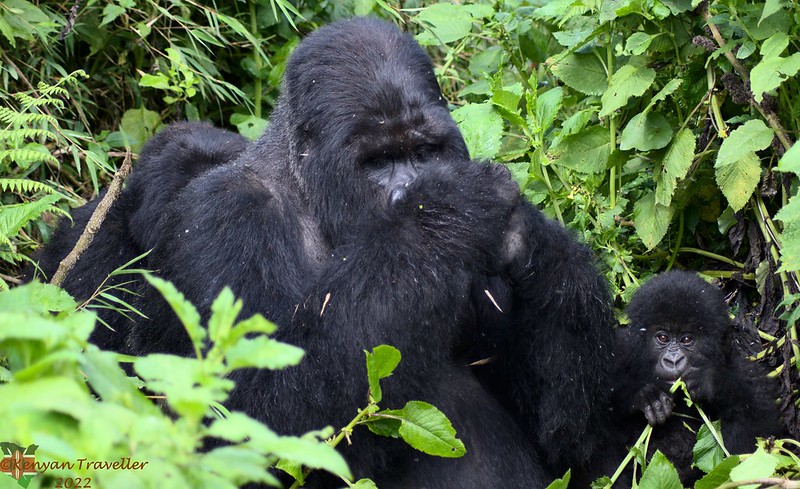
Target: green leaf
[110, 13]
[137, 126]
[676, 164]
[651, 220]
[662, 94]
[364, 484]
[738, 168]
[249, 126]
[645, 132]
[52, 394]
[239, 465]
[506, 100]
[562, 483]
[638, 43]
[428, 430]
[771, 7]
[660, 474]
[586, 152]
[629, 81]
[707, 453]
[262, 352]
[380, 364]
[36, 297]
[547, 106]
[719, 475]
[444, 23]
[790, 161]
[582, 72]
[223, 314]
[759, 465]
[184, 309]
[110, 382]
[771, 72]
[790, 251]
[482, 128]
[159, 81]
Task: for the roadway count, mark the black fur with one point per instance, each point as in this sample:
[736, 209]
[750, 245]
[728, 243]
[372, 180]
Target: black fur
[362, 188]
[720, 379]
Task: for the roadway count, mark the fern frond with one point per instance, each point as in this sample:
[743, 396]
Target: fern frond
[12, 257]
[14, 217]
[15, 136]
[23, 119]
[52, 90]
[25, 157]
[22, 185]
[29, 101]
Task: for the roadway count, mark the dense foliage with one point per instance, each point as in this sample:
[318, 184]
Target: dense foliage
[660, 131]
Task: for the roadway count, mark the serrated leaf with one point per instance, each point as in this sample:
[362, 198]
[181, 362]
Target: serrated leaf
[482, 128]
[706, 452]
[629, 81]
[771, 7]
[428, 430]
[562, 483]
[638, 43]
[380, 364]
[586, 152]
[646, 132]
[738, 168]
[771, 72]
[224, 311]
[651, 220]
[582, 72]
[676, 164]
[444, 23]
[184, 309]
[660, 474]
[759, 465]
[719, 475]
[547, 106]
[262, 352]
[790, 161]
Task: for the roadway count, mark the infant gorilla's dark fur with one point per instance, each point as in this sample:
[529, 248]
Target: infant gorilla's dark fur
[679, 328]
[362, 189]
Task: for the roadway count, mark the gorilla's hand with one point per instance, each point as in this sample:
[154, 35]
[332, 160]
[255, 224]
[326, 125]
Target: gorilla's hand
[654, 403]
[461, 209]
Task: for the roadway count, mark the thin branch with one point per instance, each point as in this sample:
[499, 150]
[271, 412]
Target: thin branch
[98, 216]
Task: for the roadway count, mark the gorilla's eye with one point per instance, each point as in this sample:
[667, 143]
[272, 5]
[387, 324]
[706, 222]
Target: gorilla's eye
[687, 340]
[662, 338]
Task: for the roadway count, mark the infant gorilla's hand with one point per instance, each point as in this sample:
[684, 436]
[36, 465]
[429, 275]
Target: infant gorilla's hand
[654, 403]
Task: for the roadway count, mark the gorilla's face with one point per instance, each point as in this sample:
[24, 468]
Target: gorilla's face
[366, 123]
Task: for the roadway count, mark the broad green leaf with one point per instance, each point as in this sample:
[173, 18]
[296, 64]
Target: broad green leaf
[239, 464]
[660, 474]
[137, 126]
[662, 94]
[790, 161]
[428, 430]
[582, 72]
[738, 168]
[629, 81]
[771, 72]
[638, 43]
[707, 453]
[184, 309]
[586, 152]
[56, 394]
[262, 352]
[748, 47]
[444, 23]
[790, 251]
[759, 465]
[771, 7]
[380, 364]
[547, 106]
[562, 483]
[159, 81]
[506, 100]
[249, 126]
[36, 297]
[719, 475]
[482, 128]
[109, 381]
[645, 132]
[651, 220]
[676, 164]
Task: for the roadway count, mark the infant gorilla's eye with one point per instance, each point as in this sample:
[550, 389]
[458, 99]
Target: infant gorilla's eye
[686, 339]
[662, 338]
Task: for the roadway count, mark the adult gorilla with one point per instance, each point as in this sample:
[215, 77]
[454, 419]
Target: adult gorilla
[358, 219]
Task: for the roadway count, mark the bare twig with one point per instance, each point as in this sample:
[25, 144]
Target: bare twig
[98, 216]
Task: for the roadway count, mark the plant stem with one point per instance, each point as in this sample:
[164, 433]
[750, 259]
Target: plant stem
[256, 60]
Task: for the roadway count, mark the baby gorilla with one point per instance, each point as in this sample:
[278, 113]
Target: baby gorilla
[679, 328]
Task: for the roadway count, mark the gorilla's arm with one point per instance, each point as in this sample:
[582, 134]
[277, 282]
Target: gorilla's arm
[559, 351]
